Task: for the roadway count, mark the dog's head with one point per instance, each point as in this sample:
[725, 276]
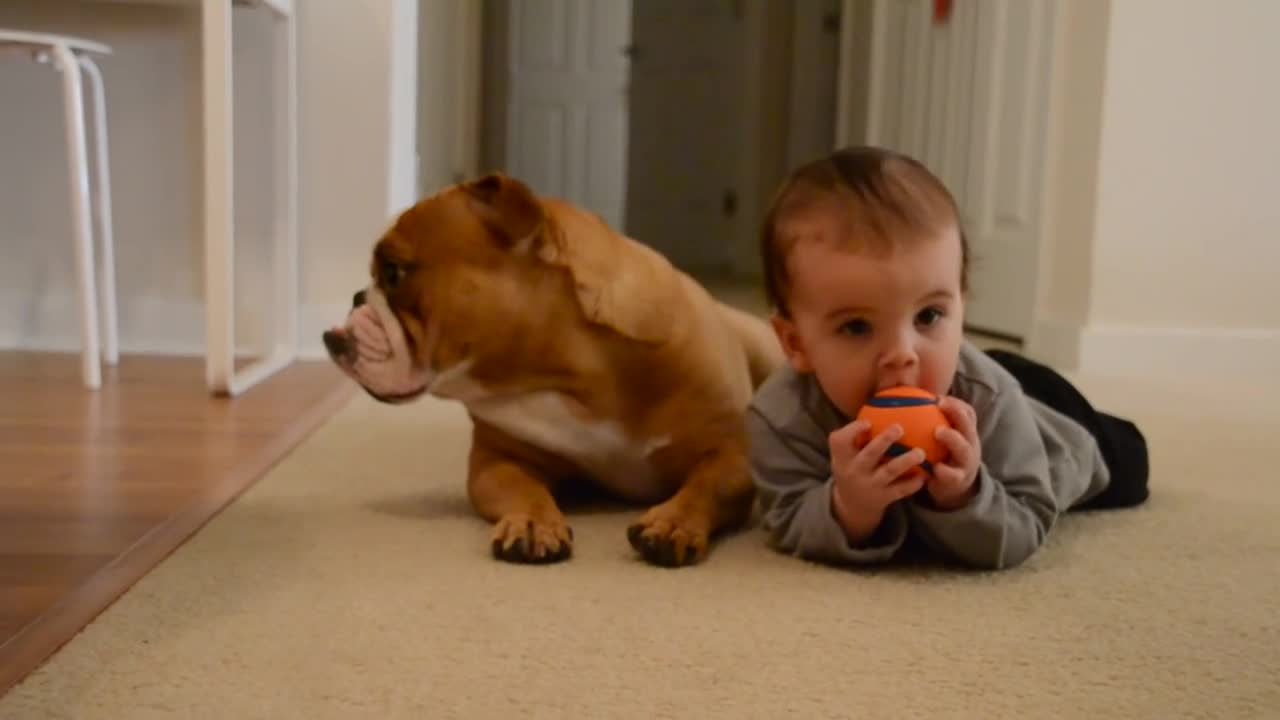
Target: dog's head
[478, 273]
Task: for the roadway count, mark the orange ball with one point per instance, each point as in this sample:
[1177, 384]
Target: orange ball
[918, 413]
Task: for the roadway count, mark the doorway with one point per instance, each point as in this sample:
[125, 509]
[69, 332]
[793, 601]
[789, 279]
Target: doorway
[676, 119]
[672, 119]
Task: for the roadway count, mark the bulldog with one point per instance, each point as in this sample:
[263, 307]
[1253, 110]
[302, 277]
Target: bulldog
[580, 355]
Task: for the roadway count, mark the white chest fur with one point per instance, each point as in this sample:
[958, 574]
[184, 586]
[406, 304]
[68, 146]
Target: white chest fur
[546, 420]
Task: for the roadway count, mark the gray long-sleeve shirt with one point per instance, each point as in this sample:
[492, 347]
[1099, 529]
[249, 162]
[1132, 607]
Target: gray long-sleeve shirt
[1036, 464]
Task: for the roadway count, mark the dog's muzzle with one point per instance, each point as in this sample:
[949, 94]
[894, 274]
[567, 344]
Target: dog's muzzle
[338, 347]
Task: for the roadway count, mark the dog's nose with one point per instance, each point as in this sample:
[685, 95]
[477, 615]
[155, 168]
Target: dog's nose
[357, 300]
[336, 343]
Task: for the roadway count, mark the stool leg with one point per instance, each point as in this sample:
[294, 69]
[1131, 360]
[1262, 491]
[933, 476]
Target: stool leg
[77, 157]
[110, 331]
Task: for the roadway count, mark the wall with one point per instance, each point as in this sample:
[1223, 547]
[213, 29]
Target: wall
[1180, 256]
[448, 97]
[153, 116]
[347, 166]
[1071, 180]
[1188, 224]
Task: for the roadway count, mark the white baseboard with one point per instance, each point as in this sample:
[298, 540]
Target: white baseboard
[1135, 351]
[157, 326]
[148, 326]
[1055, 342]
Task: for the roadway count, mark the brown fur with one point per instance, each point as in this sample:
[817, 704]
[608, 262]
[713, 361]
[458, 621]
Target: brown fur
[542, 295]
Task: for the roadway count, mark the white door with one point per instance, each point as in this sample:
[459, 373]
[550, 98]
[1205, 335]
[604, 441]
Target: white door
[687, 126]
[567, 100]
[968, 96]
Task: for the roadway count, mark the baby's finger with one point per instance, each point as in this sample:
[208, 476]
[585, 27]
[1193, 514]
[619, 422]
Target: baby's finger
[957, 444]
[904, 487]
[870, 455]
[894, 468]
[947, 475]
[959, 413]
[842, 441]
[970, 430]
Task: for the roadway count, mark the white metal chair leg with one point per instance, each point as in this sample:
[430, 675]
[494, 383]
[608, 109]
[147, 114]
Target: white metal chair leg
[78, 170]
[102, 193]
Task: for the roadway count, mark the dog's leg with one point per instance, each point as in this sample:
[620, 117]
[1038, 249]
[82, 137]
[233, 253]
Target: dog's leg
[716, 496]
[528, 525]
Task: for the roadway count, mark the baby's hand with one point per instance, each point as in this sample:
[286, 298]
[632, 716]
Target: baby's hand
[864, 485]
[951, 486]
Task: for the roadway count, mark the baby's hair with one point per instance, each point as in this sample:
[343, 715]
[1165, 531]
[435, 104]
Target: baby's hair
[890, 198]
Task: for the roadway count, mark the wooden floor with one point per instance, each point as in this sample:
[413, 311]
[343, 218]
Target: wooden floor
[97, 487]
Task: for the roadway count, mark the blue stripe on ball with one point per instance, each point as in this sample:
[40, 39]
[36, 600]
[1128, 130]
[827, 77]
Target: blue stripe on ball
[897, 449]
[889, 401]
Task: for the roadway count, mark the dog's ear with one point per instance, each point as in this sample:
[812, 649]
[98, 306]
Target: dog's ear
[508, 208]
[620, 284]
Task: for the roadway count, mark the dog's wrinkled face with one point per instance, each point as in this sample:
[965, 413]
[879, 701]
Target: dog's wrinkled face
[447, 270]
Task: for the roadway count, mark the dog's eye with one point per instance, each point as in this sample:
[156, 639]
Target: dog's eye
[390, 275]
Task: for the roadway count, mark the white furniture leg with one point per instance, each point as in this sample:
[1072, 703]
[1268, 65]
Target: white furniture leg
[287, 259]
[78, 171]
[221, 373]
[102, 193]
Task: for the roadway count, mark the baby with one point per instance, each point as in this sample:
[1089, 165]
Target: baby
[866, 269]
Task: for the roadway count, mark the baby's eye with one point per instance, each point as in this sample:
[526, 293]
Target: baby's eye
[929, 316]
[855, 327]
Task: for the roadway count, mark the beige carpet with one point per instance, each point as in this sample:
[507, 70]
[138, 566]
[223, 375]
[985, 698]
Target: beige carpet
[353, 582]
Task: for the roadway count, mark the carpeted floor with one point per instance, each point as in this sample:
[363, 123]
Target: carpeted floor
[353, 582]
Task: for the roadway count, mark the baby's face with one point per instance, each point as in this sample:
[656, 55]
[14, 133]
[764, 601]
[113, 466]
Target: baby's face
[863, 322]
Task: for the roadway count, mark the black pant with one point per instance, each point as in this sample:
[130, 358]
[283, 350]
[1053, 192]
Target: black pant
[1123, 447]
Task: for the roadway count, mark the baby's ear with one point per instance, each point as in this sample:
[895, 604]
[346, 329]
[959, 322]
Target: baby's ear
[508, 208]
[789, 339]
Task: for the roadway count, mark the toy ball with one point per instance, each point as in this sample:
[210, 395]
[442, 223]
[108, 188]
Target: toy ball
[917, 411]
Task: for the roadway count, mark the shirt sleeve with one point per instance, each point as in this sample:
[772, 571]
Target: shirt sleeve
[1014, 508]
[793, 482]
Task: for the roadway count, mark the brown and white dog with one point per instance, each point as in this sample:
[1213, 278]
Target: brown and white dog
[579, 354]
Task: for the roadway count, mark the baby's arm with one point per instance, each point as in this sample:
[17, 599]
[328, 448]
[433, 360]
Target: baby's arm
[793, 478]
[1014, 508]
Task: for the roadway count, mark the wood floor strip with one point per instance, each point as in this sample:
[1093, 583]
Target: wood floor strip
[268, 437]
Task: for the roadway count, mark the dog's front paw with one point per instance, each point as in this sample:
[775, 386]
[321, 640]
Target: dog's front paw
[523, 539]
[669, 536]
